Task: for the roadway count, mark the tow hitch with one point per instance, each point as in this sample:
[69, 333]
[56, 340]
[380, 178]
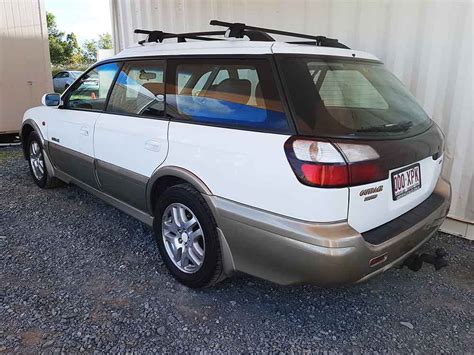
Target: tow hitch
[414, 262]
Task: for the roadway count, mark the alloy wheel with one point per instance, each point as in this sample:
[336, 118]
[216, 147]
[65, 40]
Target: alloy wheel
[183, 238]
[36, 160]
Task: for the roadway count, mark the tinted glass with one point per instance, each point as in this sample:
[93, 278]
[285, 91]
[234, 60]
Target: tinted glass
[90, 93]
[139, 89]
[236, 93]
[350, 98]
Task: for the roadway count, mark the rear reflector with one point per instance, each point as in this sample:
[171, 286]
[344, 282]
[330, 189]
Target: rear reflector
[378, 260]
[322, 164]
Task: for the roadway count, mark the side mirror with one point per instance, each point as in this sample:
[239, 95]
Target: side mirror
[51, 99]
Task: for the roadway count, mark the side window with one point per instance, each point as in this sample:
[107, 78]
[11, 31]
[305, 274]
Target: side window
[200, 82]
[139, 89]
[199, 86]
[90, 93]
[236, 93]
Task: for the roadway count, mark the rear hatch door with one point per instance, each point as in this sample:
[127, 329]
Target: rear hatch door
[392, 148]
[412, 167]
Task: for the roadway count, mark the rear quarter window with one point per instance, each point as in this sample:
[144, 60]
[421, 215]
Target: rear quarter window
[238, 93]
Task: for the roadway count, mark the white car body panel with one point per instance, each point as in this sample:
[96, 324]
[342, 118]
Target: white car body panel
[281, 47]
[236, 47]
[366, 215]
[137, 144]
[190, 48]
[38, 115]
[73, 128]
[251, 168]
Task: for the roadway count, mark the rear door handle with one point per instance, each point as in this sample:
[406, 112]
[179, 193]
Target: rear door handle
[84, 131]
[152, 145]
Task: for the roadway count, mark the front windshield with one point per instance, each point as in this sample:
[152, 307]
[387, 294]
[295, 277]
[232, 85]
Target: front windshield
[349, 98]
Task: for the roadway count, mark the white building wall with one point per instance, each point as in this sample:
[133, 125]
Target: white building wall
[25, 68]
[427, 44]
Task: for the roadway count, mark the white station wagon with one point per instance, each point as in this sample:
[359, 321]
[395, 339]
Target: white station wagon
[296, 162]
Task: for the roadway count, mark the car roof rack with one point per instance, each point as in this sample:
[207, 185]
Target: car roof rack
[238, 30]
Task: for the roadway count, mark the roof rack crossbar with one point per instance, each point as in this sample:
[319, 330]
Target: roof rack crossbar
[159, 36]
[238, 30]
[204, 33]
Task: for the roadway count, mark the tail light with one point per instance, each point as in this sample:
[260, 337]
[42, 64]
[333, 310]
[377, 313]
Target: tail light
[323, 164]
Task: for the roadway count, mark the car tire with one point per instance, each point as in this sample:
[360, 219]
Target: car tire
[37, 163]
[192, 253]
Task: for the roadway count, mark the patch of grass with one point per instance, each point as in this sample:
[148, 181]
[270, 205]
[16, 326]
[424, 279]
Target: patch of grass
[10, 154]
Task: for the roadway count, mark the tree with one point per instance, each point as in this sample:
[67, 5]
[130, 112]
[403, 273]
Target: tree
[105, 41]
[91, 46]
[89, 50]
[56, 48]
[63, 48]
[72, 50]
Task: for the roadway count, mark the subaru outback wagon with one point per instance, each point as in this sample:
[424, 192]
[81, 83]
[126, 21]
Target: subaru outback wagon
[295, 162]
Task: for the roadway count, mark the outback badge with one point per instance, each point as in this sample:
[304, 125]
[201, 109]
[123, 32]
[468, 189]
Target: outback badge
[371, 193]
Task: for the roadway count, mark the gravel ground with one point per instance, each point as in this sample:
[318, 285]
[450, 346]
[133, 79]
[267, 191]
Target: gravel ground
[79, 275]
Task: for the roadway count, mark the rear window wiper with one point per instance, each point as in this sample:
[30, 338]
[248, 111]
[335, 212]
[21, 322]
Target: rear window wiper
[389, 127]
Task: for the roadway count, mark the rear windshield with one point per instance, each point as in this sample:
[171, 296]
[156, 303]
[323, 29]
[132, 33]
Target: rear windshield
[347, 98]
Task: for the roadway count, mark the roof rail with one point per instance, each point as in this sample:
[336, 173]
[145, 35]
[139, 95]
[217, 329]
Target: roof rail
[238, 30]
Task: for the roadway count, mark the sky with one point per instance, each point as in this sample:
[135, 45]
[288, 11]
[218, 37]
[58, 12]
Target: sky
[86, 18]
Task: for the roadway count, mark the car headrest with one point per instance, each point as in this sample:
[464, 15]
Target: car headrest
[235, 90]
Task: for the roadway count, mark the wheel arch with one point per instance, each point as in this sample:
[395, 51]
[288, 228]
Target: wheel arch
[168, 176]
[27, 128]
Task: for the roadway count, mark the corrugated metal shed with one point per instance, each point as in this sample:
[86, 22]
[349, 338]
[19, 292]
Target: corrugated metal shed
[427, 44]
[25, 68]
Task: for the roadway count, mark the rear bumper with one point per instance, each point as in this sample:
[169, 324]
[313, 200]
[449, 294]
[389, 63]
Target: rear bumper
[288, 251]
